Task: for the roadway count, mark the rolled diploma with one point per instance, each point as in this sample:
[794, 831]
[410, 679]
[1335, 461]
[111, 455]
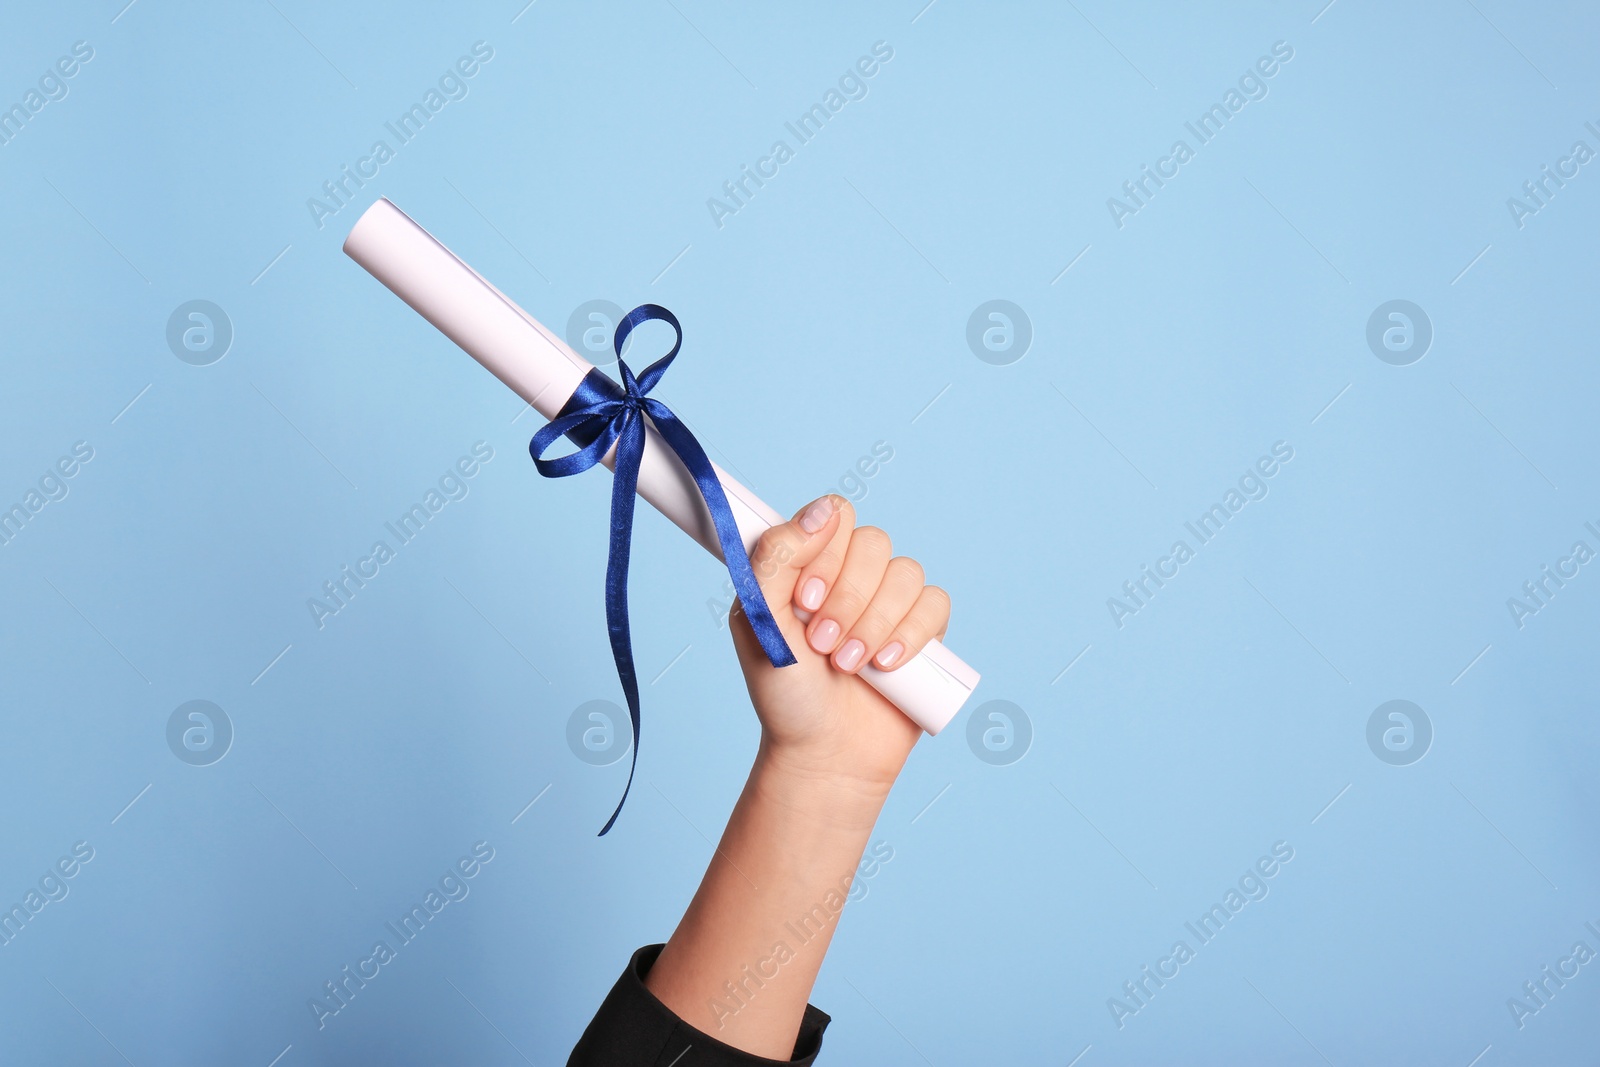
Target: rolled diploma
[540, 367]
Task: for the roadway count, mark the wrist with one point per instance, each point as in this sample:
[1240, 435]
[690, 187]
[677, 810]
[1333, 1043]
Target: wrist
[818, 788]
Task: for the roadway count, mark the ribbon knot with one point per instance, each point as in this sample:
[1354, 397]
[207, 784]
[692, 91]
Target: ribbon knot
[602, 413]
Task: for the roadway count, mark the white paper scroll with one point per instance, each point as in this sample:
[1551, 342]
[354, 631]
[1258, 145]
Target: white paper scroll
[539, 367]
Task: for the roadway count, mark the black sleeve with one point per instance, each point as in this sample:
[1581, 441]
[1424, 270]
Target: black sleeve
[634, 1029]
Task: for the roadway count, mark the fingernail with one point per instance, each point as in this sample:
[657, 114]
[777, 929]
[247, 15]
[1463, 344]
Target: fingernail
[816, 516]
[811, 593]
[825, 636]
[849, 655]
[889, 653]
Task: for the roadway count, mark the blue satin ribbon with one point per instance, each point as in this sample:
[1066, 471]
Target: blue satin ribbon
[602, 413]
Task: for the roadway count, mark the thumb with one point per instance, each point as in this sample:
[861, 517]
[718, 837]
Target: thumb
[786, 549]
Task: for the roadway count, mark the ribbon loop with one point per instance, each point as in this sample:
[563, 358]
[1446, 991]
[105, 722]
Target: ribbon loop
[602, 413]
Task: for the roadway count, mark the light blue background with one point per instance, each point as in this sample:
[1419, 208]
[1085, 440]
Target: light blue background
[821, 318]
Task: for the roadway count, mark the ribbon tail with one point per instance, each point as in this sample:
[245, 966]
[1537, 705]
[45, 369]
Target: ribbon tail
[623, 488]
[683, 442]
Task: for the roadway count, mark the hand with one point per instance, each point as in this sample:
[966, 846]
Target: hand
[817, 718]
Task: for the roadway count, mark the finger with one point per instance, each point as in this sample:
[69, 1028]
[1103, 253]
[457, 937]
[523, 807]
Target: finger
[784, 550]
[864, 563]
[896, 595]
[927, 619]
[819, 576]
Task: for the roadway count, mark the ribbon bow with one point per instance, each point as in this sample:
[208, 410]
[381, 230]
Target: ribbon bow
[602, 413]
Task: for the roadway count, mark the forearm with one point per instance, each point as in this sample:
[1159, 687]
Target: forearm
[742, 962]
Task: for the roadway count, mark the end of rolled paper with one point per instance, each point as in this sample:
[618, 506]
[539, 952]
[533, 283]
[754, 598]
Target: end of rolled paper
[488, 325]
[930, 688]
[370, 219]
[948, 712]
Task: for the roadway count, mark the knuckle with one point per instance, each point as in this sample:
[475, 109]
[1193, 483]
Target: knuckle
[768, 544]
[907, 570]
[846, 602]
[827, 562]
[938, 599]
[874, 622]
[873, 539]
[772, 552]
